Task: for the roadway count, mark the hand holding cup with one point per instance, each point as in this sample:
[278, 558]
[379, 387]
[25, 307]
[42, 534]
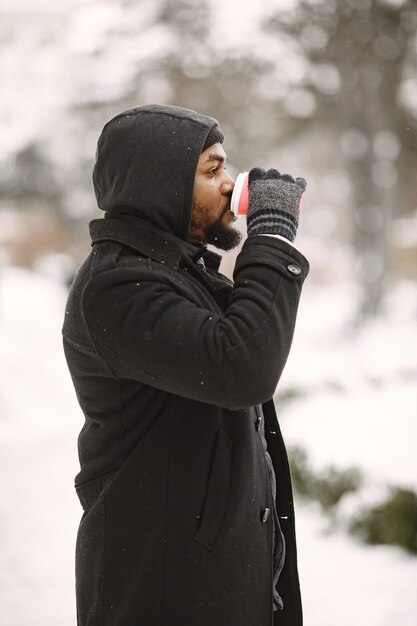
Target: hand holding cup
[270, 200]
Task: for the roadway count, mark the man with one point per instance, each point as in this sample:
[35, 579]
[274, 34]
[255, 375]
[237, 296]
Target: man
[187, 520]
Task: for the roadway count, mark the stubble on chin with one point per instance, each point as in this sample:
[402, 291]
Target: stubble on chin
[221, 237]
[215, 233]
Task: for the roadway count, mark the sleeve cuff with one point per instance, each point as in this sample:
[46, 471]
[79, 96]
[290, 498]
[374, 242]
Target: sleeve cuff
[279, 237]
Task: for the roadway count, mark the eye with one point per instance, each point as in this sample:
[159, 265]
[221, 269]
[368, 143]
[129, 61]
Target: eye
[216, 170]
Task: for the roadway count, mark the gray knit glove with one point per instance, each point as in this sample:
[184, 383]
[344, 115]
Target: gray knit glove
[274, 203]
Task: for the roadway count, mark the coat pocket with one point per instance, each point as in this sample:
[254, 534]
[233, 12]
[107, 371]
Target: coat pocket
[217, 493]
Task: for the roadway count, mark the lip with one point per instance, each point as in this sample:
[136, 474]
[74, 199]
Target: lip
[226, 210]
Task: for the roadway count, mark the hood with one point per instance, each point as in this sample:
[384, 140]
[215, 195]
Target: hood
[146, 162]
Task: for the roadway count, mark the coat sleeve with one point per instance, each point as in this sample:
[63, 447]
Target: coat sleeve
[147, 329]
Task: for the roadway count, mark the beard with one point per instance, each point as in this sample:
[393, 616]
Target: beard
[216, 233]
[221, 237]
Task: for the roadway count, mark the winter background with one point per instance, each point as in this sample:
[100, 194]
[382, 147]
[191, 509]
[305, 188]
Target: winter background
[325, 89]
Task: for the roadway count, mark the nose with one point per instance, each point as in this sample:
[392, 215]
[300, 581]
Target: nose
[228, 184]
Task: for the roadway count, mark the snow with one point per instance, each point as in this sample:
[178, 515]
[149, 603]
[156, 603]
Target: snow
[38, 460]
[347, 584]
[357, 408]
[358, 403]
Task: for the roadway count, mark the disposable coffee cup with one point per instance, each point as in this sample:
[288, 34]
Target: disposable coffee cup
[240, 196]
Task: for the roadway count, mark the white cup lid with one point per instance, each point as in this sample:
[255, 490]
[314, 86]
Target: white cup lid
[237, 192]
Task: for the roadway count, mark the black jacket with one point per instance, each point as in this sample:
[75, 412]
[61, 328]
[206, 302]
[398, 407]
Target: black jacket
[170, 363]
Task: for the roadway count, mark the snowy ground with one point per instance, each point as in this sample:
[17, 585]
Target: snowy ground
[357, 408]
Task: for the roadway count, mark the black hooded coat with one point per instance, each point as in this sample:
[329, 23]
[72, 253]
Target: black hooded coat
[174, 368]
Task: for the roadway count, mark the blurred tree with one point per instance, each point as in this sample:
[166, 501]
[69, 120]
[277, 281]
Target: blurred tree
[30, 181]
[358, 53]
[31, 206]
[327, 487]
[203, 75]
[393, 522]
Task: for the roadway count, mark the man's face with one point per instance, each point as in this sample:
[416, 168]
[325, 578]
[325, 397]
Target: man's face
[211, 217]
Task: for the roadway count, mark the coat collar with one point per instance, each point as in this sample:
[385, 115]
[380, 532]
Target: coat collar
[147, 239]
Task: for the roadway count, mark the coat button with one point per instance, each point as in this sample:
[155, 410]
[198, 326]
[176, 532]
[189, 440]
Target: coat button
[265, 515]
[258, 422]
[294, 269]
